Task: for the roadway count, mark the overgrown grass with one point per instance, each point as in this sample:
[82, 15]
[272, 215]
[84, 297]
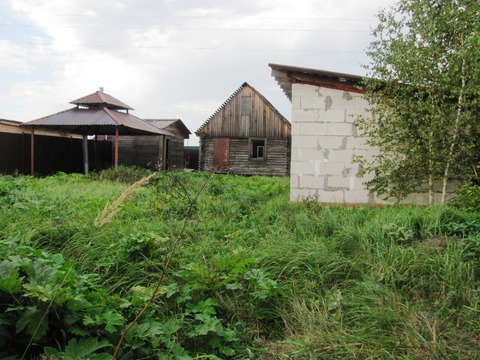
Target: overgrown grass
[256, 276]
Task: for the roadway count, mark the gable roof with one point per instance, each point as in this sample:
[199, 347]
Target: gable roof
[171, 124]
[286, 75]
[236, 92]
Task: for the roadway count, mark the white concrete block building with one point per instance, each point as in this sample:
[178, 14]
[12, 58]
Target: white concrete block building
[324, 140]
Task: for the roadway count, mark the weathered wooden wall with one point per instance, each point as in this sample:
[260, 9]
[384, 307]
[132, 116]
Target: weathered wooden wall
[147, 151]
[176, 154]
[144, 151]
[277, 161]
[192, 157]
[237, 120]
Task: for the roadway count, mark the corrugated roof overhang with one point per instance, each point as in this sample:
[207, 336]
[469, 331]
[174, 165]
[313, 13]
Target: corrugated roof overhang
[286, 75]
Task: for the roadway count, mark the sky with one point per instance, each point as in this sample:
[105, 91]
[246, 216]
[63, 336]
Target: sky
[171, 59]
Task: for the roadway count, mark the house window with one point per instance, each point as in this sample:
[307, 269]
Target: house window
[258, 149]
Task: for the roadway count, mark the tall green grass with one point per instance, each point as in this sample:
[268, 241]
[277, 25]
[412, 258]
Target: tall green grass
[292, 280]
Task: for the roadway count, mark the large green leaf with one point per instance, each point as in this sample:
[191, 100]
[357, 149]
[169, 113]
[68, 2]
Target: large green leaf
[34, 322]
[10, 281]
[80, 350]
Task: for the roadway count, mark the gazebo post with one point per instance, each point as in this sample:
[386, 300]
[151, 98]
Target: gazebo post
[116, 148]
[85, 154]
[164, 155]
[32, 152]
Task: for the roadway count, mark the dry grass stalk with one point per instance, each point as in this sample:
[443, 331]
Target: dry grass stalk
[111, 209]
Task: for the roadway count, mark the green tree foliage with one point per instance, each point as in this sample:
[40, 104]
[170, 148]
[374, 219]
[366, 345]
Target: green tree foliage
[422, 83]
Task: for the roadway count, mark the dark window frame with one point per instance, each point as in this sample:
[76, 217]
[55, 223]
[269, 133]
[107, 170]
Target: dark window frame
[257, 149]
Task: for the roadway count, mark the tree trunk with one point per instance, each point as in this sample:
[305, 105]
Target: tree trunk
[456, 130]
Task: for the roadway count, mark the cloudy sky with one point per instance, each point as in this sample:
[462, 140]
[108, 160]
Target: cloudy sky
[170, 58]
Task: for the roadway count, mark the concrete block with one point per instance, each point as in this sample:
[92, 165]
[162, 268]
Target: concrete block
[311, 102]
[356, 143]
[305, 116]
[304, 90]
[296, 102]
[332, 116]
[304, 168]
[361, 103]
[305, 141]
[296, 129]
[337, 182]
[332, 197]
[314, 154]
[331, 142]
[340, 129]
[293, 181]
[297, 154]
[297, 195]
[357, 197]
[324, 92]
[341, 156]
[368, 154]
[311, 182]
[314, 128]
[331, 168]
[342, 102]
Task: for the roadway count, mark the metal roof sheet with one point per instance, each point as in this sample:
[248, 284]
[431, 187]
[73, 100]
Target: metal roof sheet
[286, 75]
[168, 124]
[97, 121]
[101, 98]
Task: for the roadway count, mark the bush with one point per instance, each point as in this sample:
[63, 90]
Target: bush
[124, 174]
[468, 197]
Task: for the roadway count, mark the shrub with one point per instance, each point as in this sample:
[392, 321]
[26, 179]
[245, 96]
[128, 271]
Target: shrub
[124, 174]
[468, 197]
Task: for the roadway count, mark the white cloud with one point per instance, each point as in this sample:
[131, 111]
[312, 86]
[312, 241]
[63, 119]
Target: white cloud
[176, 59]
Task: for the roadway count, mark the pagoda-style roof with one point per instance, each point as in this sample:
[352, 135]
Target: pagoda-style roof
[97, 114]
[100, 99]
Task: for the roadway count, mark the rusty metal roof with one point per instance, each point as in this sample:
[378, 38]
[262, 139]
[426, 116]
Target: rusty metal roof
[94, 121]
[101, 98]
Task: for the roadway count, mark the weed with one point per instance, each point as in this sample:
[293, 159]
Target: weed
[255, 277]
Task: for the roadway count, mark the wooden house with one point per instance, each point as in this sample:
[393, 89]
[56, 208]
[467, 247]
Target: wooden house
[246, 135]
[160, 152]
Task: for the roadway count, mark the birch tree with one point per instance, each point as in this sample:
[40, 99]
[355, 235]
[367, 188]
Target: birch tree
[423, 81]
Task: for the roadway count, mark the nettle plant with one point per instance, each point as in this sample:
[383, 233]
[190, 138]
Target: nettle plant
[48, 308]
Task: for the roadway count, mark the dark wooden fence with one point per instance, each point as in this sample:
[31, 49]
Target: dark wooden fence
[52, 154]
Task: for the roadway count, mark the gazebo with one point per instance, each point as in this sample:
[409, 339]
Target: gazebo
[94, 114]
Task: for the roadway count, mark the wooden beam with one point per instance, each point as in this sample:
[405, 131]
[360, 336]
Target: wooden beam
[116, 147]
[85, 154]
[32, 152]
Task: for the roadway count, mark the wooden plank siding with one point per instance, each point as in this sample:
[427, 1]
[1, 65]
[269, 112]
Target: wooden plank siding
[148, 151]
[176, 154]
[144, 151]
[52, 154]
[277, 160]
[264, 121]
[245, 116]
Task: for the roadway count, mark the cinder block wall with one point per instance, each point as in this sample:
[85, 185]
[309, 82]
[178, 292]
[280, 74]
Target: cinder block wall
[324, 144]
